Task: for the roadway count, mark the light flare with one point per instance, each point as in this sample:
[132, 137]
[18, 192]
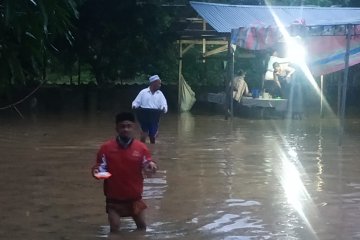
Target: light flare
[297, 54]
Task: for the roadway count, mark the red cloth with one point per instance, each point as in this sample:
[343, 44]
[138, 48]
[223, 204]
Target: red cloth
[125, 165]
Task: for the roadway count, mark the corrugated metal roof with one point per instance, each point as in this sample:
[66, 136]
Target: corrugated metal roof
[224, 17]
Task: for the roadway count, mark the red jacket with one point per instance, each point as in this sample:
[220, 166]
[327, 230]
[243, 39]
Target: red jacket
[125, 166]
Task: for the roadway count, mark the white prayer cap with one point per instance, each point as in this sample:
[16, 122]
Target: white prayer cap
[154, 78]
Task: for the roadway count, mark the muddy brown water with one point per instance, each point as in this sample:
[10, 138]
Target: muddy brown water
[240, 179]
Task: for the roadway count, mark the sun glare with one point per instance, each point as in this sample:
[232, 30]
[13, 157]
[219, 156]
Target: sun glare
[296, 52]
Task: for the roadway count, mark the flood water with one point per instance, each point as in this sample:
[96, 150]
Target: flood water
[218, 179]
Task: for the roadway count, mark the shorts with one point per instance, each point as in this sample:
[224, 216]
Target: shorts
[125, 208]
[149, 120]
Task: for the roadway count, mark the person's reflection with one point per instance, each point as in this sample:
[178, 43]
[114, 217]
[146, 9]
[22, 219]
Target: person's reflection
[319, 162]
[186, 125]
[135, 235]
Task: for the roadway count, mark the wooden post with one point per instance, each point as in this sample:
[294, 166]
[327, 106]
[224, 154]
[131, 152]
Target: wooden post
[180, 73]
[204, 42]
[340, 83]
[344, 85]
[232, 82]
[229, 88]
[321, 95]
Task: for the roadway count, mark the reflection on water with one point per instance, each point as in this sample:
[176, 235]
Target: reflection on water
[218, 179]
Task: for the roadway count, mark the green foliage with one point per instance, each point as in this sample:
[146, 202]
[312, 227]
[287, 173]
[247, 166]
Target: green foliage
[204, 71]
[122, 38]
[27, 30]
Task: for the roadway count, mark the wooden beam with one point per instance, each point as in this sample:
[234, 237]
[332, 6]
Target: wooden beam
[196, 34]
[180, 73]
[208, 42]
[216, 50]
[187, 48]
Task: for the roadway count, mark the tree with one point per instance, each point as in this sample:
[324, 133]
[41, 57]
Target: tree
[123, 38]
[27, 31]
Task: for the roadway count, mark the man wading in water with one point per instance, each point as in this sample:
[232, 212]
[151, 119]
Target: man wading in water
[126, 159]
[149, 104]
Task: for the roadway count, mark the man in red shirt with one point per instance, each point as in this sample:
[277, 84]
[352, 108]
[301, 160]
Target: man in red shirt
[126, 159]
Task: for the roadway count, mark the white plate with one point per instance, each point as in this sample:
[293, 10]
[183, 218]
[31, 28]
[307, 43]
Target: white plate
[103, 175]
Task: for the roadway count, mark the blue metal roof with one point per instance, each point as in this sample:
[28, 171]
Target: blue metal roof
[224, 17]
